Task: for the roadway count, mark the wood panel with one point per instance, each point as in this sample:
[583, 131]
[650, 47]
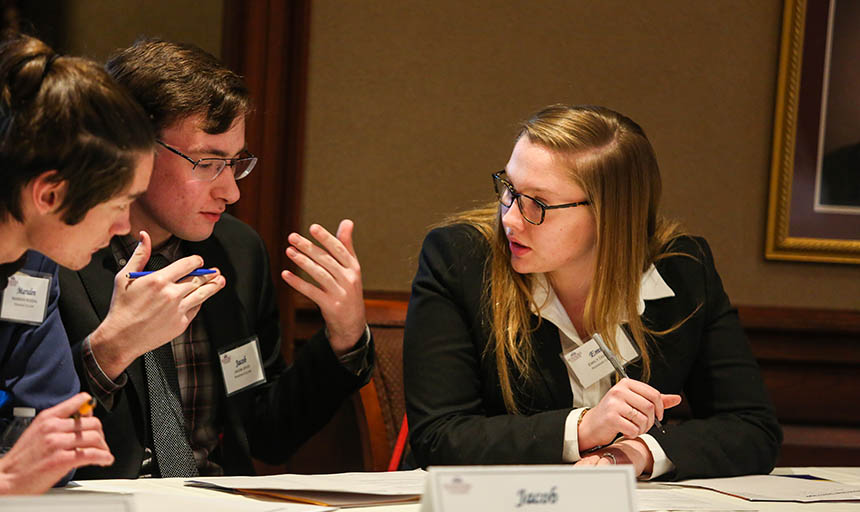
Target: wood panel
[810, 362]
[267, 43]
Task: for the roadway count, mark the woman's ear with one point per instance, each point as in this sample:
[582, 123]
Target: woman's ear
[47, 193]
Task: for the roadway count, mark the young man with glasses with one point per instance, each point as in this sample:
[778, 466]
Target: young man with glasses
[204, 393]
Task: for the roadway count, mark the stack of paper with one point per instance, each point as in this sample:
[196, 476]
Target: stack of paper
[334, 490]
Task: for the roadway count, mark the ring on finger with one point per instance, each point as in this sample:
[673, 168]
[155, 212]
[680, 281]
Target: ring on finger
[610, 457]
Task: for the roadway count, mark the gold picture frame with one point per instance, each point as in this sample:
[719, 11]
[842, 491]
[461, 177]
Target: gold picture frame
[799, 226]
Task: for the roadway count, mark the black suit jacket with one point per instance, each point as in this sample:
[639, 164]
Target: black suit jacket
[267, 422]
[454, 403]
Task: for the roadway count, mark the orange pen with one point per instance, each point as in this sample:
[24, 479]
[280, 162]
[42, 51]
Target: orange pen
[85, 408]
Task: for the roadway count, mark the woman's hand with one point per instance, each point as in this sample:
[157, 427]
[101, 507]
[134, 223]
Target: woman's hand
[628, 408]
[51, 446]
[629, 451]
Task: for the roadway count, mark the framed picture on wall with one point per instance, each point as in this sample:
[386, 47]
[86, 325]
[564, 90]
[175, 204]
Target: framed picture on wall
[814, 203]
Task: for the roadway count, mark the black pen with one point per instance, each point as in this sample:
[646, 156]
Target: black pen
[618, 368]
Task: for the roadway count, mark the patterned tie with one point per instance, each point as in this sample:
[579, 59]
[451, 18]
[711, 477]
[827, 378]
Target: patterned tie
[169, 440]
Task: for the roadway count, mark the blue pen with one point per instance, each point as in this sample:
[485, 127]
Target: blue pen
[4, 397]
[198, 272]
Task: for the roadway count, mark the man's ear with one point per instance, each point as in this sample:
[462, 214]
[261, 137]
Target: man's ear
[47, 194]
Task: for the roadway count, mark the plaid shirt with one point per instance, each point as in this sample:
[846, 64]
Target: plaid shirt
[195, 371]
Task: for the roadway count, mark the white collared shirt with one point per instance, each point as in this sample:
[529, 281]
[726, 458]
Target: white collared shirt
[652, 287]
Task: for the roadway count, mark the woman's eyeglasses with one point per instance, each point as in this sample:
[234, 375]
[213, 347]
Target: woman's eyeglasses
[533, 210]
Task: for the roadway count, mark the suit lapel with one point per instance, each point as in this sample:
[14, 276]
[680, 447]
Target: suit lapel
[634, 369]
[550, 366]
[226, 324]
[97, 279]
[223, 314]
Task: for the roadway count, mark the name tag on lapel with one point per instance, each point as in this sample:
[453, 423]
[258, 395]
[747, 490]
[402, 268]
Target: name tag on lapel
[25, 298]
[242, 366]
[589, 364]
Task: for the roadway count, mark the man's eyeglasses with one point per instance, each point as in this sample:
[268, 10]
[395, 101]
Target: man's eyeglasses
[533, 210]
[207, 169]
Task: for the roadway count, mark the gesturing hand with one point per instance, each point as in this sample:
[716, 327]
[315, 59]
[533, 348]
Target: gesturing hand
[338, 292]
[628, 408]
[149, 311]
[51, 446]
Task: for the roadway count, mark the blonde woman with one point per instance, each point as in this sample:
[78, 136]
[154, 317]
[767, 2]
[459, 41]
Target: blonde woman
[500, 367]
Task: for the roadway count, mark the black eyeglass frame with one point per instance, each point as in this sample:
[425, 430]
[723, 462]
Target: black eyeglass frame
[228, 162]
[497, 178]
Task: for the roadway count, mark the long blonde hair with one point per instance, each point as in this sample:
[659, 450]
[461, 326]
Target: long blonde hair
[611, 159]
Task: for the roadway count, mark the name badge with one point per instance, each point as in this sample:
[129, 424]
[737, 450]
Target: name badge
[589, 364]
[242, 366]
[25, 298]
[529, 488]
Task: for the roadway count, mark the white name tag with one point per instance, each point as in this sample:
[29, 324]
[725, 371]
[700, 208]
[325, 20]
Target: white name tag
[25, 298]
[242, 366]
[529, 488]
[589, 364]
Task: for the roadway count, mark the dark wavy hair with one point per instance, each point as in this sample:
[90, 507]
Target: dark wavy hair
[64, 114]
[173, 81]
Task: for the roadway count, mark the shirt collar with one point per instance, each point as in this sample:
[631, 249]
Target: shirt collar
[9, 268]
[123, 247]
[652, 287]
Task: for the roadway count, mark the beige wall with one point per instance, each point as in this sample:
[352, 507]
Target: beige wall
[412, 105]
[96, 28]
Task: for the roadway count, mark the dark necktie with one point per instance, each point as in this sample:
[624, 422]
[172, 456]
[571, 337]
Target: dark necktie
[170, 444]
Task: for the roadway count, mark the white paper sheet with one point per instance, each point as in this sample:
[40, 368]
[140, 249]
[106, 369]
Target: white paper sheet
[677, 499]
[777, 488]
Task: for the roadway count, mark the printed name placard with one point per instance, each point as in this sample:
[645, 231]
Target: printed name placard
[70, 502]
[531, 488]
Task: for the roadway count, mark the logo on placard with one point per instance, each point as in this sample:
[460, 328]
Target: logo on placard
[575, 356]
[12, 282]
[457, 486]
[225, 359]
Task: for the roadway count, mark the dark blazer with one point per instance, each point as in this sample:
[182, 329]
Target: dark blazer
[268, 422]
[35, 363]
[454, 403]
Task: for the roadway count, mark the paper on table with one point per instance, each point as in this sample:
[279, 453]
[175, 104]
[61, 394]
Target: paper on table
[338, 489]
[777, 488]
[676, 499]
[155, 493]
